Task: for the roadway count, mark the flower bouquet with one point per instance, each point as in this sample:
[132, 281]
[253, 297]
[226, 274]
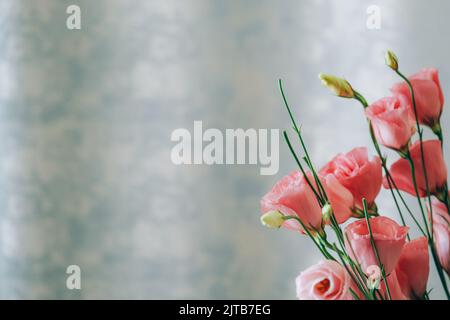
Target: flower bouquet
[372, 256]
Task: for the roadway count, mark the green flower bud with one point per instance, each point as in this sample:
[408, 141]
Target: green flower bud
[391, 60]
[339, 86]
[327, 211]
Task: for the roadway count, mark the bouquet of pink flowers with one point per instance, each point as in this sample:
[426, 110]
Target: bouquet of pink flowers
[373, 256]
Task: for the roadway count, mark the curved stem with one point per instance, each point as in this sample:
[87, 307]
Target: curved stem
[320, 193]
[288, 142]
[422, 154]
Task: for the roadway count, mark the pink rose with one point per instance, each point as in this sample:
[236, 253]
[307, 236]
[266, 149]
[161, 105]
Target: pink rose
[441, 229]
[393, 122]
[293, 196]
[327, 280]
[341, 199]
[389, 240]
[413, 268]
[359, 175]
[434, 162]
[428, 95]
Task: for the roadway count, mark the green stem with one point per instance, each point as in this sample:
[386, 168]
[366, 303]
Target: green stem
[325, 253]
[439, 268]
[320, 194]
[355, 273]
[322, 244]
[398, 206]
[422, 154]
[406, 206]
[416, 190]
[288, 142]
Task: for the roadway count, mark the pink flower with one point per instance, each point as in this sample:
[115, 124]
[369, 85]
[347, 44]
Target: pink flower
[341, 199]
[359, 175]
[413, 268]
[393, 122]
[435, 165]
[389, 240]
[441, 229]
[327, 280]
[428, 95]
[292, 196]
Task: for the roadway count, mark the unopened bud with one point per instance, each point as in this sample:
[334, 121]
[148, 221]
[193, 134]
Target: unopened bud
[391, 60]
[339, 86]
[272, 219]
[327, 211]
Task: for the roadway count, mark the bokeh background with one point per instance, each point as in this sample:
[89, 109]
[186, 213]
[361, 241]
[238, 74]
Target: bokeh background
[86, 118]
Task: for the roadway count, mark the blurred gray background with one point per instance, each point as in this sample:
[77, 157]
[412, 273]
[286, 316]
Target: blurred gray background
[86, 118]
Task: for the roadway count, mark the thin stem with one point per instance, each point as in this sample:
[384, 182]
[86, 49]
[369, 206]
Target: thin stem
[322, 193]
[308, 232]
[354, 274]
[288, 142]
[405, 205]
[422, 155]
[416, 190]
[439, 268]
[337, 230]
[280, 84]
[398, 206]
[353, 293]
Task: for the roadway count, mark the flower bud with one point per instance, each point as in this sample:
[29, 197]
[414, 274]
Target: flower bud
[272, 219]
[391, 60]
[339, 86]
[327, 211]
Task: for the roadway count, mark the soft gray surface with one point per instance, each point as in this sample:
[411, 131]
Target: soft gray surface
[86, 118]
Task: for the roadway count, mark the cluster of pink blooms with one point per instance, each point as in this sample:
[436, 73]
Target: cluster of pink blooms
[352, 182]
